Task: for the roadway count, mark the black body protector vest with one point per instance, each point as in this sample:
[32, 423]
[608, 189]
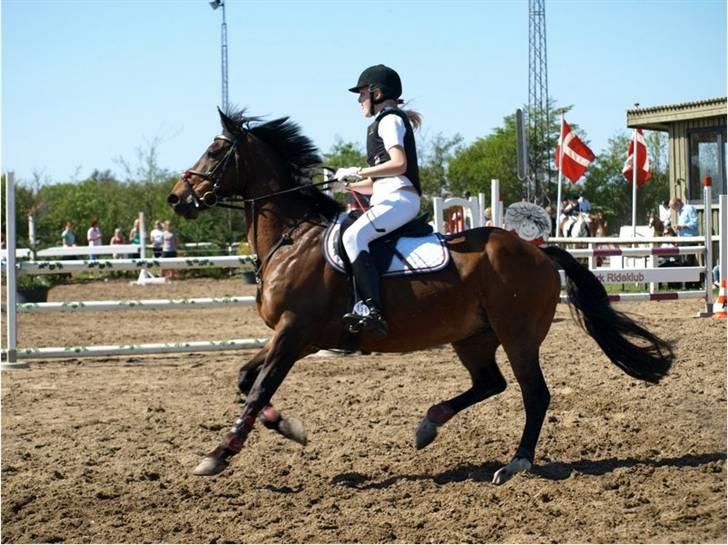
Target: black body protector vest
[376, 154]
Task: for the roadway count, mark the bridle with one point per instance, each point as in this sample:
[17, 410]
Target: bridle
[215, 177]
[217, 174]
[215, 198]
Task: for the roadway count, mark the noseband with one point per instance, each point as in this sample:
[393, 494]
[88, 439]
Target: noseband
[214, 176]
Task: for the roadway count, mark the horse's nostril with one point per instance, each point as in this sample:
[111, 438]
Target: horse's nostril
[172, 199]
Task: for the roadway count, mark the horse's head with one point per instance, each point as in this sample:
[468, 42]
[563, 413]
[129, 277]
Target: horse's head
[214, 176]
[655, 223]
[598, 224]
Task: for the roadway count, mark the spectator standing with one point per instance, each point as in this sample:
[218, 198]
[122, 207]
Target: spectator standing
[686, 226]
[584, 205]
[156, 237]
[118, 238]
[169, 246]
[134, 237]
[68, 237]
[687, 218]
[93, 235]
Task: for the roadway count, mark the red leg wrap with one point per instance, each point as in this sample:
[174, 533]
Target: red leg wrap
[440, 413]
[269, 415]
[239, 433]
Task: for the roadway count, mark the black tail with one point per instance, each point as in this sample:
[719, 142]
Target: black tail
[610, 328]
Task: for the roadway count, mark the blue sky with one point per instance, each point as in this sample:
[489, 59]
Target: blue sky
[85, 82]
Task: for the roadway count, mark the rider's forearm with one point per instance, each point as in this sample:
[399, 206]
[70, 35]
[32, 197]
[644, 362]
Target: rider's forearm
[365, 186]
[388, 168]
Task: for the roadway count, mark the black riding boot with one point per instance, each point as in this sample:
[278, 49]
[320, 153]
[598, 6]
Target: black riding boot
[367, 285]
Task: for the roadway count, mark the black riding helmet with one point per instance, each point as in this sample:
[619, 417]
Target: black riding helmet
[380, 77]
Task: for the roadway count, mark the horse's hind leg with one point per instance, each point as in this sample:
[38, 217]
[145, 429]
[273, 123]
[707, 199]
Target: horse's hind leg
[536, 398]
[477, 353]
[289, 427]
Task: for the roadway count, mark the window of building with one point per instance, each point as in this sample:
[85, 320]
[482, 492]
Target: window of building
[707, 158]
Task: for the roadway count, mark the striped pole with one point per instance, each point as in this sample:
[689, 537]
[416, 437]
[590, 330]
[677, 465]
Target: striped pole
[616, 297]
[638, 252]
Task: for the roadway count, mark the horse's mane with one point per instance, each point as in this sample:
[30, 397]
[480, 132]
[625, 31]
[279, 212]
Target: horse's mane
[300, 154]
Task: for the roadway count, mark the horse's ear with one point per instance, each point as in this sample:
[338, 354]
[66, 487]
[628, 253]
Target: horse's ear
[227, 123]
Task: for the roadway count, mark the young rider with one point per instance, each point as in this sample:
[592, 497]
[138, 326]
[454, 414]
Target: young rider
[392, 180]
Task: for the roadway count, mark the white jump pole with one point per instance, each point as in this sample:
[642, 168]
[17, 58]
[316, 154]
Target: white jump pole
[31, 231]
[708, 228]
[11, 313]
[438, 211]
[481, 206]
[495, 211]
[145, 277]
[723, 243]
[634, 184]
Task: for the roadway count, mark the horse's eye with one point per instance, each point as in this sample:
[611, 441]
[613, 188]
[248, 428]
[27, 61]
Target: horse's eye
[212, 153]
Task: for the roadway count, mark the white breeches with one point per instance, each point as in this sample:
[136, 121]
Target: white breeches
[388, 214]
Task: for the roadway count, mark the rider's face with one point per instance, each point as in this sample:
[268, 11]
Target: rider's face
[365, 100]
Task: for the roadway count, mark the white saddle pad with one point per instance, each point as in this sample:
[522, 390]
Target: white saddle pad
[421, 254]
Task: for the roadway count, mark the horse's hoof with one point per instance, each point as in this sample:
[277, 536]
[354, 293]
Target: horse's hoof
[426, 433]
[505, 473]
[211, 465]
[292, 428]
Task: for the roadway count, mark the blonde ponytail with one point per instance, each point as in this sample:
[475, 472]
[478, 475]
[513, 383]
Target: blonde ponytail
[415, 118]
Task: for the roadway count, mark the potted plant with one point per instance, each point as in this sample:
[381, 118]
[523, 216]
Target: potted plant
[33, 289]
[248, 274]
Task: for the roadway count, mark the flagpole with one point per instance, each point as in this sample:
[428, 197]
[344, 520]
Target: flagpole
[561, 163]
[634, 179]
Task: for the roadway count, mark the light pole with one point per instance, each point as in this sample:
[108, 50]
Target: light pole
[214, 4]
[223, 50]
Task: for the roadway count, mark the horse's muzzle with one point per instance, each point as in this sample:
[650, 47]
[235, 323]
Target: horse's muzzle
[184, 208]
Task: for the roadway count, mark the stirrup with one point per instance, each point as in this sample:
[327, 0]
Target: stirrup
[372, 323]
[375, 325]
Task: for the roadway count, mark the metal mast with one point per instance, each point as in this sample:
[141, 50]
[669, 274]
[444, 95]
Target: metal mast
[538, 104]
[223, 50]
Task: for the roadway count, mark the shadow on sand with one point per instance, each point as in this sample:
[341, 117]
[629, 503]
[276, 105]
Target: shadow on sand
[553, 471]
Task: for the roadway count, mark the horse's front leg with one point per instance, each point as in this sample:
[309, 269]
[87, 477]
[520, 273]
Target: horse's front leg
[289, 427]
[287, 346]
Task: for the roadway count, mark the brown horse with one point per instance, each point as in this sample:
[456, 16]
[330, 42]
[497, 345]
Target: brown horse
[658, 227]
[497, 290]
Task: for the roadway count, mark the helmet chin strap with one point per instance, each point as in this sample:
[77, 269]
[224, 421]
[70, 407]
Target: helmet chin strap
[371, 101]
[376, 101]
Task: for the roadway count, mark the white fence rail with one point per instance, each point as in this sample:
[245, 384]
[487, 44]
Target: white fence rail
[138, 304]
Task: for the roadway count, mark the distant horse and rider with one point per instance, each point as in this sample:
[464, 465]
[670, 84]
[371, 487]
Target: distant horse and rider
[579, 221]
[495, 290]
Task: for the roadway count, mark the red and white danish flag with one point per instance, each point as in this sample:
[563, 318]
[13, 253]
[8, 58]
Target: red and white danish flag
[577, 155]
[643, 161]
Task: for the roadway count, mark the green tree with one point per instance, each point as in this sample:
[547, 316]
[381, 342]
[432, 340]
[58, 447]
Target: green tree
[490, 157]
[344, 154]
[434, 161]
